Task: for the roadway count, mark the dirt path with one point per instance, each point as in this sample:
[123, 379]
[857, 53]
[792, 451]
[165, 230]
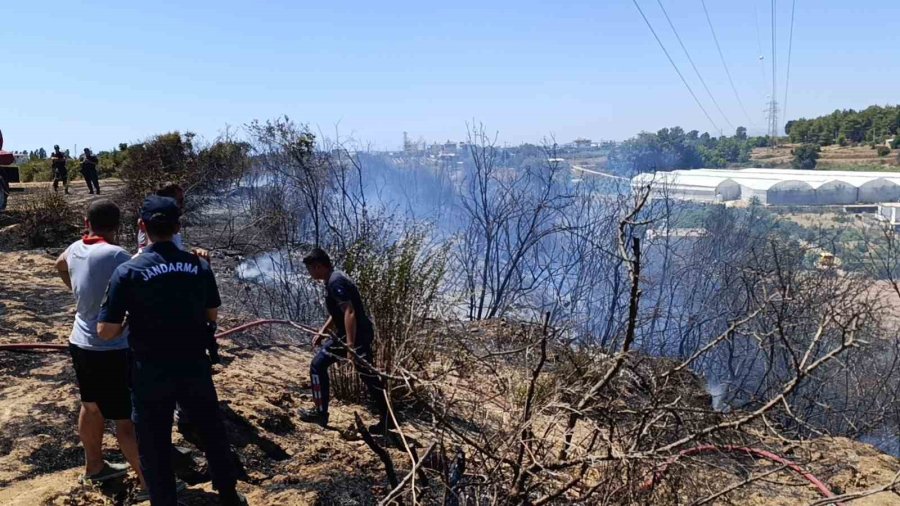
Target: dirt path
[261, 387]
[78, 191]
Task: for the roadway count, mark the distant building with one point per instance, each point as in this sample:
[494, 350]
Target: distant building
[21, 157]
[409, 147]
[582, 143]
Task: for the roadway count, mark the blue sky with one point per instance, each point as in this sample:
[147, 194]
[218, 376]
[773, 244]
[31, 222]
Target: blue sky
[98, 73]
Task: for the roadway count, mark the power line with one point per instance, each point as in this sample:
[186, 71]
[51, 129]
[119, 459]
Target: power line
[691, 60]
[724, 64]
[683, 80]
[787, 80]
[762, 63]
[773, 111]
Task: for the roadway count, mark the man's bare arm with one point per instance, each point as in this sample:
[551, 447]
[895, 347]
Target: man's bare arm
[62, 268]
[350, 325]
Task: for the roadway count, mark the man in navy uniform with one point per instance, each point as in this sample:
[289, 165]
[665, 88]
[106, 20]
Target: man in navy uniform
[58, 161]
[348, 319]
[171, 301]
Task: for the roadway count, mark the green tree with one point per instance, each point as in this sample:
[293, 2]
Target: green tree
[805, 157]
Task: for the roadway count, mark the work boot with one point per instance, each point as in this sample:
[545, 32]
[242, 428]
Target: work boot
[314, 416]
[143, 494]
[232, 498]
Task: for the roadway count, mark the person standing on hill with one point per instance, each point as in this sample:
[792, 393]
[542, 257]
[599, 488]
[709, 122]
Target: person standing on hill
[101, 367]
[175, 191]
[355, 334]
[58, 161]
[172, 301]
[89, 163]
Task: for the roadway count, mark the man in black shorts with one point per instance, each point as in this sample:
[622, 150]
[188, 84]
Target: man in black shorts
[101, 367]
[348, 318]
[60, 171]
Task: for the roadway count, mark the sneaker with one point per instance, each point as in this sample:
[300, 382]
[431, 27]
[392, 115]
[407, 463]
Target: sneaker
[109, 471]
[314, 416]
[144, 494]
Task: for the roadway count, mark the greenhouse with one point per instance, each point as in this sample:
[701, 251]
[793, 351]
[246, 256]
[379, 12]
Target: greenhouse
[773, 186]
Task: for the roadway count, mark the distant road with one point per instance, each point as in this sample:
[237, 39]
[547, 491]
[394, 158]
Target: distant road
[598, 173]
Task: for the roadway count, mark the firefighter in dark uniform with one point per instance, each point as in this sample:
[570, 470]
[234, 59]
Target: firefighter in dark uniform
[58, 161]
[354, 331]
[89, 162]
[171, 301]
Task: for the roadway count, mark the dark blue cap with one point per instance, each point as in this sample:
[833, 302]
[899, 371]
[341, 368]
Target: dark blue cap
[158, 209]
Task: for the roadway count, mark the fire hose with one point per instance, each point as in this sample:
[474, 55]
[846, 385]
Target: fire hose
[659, 474]
[220, 335]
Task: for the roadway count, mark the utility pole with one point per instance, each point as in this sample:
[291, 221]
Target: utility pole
[772, 116]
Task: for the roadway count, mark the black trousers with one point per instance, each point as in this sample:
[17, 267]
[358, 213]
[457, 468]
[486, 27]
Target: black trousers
[60, 175]
[332, 351]
[156, 387]
[92, 180]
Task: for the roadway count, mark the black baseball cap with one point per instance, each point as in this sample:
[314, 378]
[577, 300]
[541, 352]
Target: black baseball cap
[158, 209]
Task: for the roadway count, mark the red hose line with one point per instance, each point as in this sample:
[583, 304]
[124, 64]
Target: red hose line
[220, 335]
[659, 474]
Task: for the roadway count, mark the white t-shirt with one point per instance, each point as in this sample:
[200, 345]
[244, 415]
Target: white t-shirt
[91, 264]
[143, 241]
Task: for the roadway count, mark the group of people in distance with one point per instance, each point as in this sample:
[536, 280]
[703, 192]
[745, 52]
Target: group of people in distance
[143, 345]
[59, 165]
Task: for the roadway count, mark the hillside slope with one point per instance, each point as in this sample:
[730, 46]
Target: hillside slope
[830, 157]
[261, 387]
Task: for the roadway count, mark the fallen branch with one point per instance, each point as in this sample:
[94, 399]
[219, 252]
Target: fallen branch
[398, 489]
[382, 454]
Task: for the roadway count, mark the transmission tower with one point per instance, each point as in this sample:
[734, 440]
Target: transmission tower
[772, 115]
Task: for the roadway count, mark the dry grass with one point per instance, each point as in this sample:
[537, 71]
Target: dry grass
[830, 158]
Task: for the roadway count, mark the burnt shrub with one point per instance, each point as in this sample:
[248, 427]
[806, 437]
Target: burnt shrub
[46, 219]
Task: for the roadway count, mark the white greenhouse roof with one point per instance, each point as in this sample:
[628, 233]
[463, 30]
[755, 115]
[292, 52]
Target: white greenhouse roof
[762, 179]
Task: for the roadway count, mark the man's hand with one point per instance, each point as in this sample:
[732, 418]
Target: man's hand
[202, 253]
[109, 331]
[323, 333]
